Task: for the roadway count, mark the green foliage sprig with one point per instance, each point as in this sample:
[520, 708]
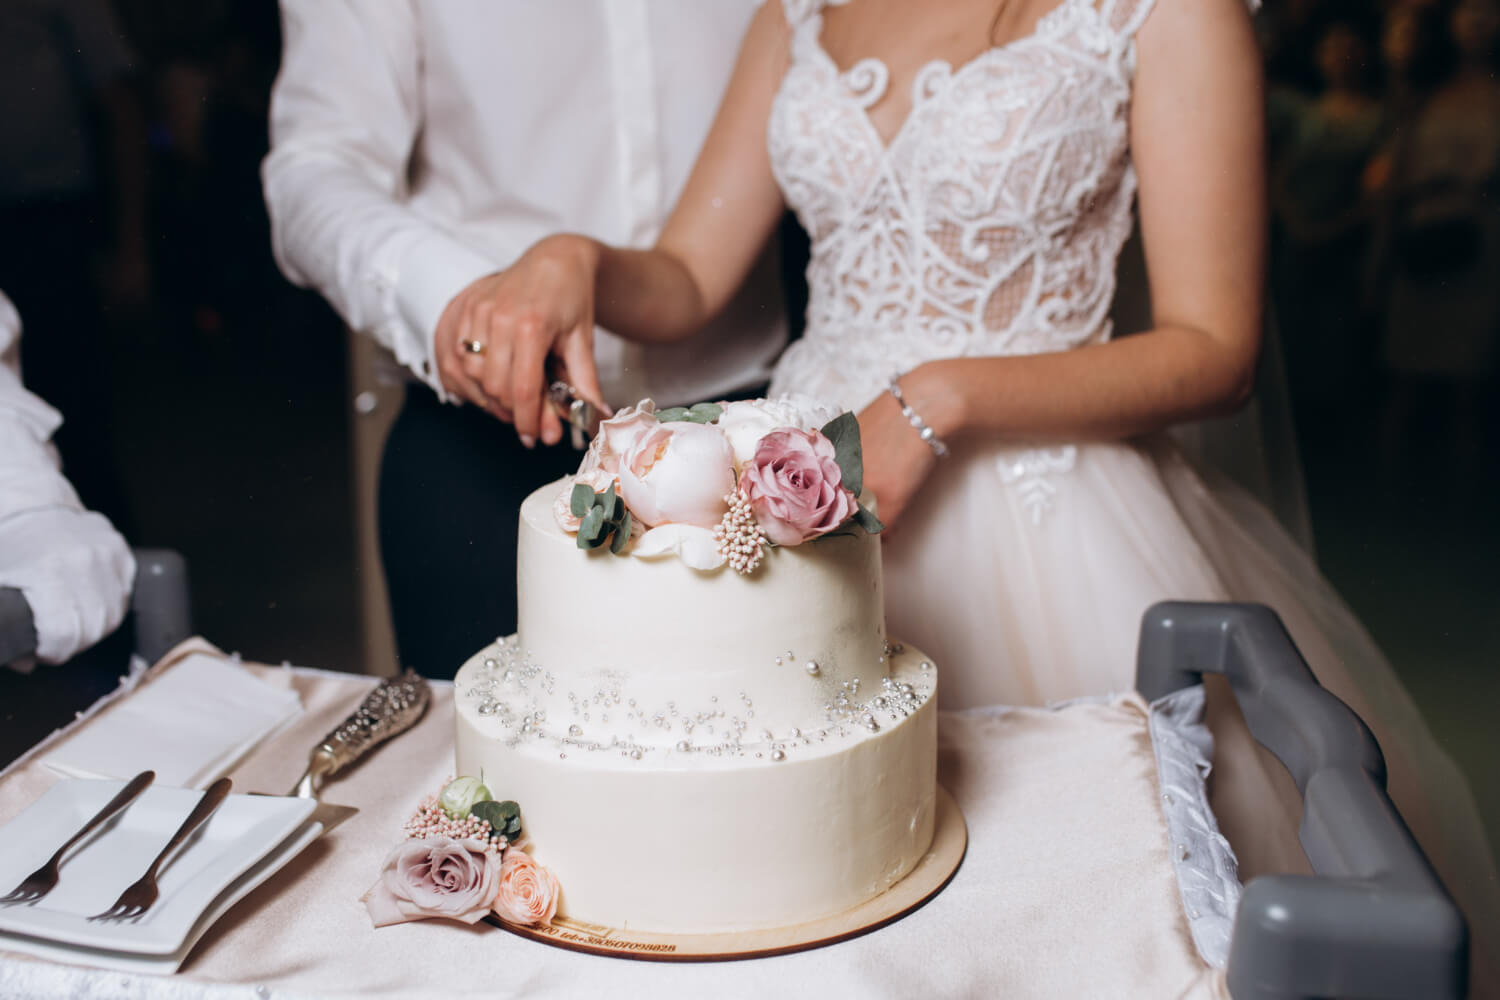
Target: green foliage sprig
[848, 452]
[698, 413]
[602, 517]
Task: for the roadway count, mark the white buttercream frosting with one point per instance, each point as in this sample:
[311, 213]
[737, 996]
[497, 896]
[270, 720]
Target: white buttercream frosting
[705, 751]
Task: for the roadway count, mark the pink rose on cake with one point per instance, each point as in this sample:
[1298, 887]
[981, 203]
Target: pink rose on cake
[435, 877]
[795, 487]
[527, 892]
[678, 473]
[744, 422]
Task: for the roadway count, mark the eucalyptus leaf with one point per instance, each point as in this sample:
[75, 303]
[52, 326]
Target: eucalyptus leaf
[581, 500]
[843, 431]
[503, 817]
[705, 413]
[672, 413]
[622, 535]
[867, 520]
[589, 527]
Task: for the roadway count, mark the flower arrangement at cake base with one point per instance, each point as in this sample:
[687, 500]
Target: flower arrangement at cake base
[463, 858]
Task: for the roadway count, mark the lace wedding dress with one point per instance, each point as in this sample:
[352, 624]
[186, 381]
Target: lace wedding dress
[989, 224]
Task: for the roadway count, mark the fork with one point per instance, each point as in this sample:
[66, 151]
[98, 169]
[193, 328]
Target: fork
[44, 879]
[138, 897]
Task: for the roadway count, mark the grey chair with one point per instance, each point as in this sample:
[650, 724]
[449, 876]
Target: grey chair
[160, 611]
[1374, 921]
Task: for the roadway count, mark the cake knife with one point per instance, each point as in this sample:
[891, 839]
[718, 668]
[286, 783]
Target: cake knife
[388, 711]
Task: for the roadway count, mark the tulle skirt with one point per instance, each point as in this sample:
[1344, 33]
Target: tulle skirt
[1025, 574]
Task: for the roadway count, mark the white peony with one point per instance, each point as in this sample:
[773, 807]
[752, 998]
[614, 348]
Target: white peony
[745, 422]
[678, 473]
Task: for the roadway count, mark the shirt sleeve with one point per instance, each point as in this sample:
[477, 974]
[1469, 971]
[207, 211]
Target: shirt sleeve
[345, 116]
[74, 569]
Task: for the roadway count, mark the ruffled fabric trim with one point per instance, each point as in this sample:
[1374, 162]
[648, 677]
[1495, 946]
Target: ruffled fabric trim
[1207, 873]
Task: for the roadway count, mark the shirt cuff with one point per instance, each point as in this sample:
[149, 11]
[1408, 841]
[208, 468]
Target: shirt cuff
[432, 271]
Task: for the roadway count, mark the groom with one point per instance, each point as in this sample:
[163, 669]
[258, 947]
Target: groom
[418, 148]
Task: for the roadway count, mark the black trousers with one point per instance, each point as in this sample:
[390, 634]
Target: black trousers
[451, 484]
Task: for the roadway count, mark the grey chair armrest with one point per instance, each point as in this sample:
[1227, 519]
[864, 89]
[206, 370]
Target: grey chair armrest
[17, 627]
[159, 606]
[1374, 921]
[160, 603]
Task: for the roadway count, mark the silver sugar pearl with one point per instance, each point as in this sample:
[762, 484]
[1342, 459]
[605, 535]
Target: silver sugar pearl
[491, 662]
[683, 746]
[925, 665]
[813, 669]
[575, 730]
[778, 755]
[796, 733]
[635, 755]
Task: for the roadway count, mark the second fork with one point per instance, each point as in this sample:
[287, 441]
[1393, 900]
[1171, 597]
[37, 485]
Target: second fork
[138, 897]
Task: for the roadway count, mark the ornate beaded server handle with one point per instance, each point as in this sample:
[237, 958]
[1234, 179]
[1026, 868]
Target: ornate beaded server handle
[389, 710]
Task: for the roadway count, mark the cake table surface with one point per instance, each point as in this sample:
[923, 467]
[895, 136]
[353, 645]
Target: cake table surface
[1068, 887]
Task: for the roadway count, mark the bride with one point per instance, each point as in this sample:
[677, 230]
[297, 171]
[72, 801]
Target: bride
[967, 173]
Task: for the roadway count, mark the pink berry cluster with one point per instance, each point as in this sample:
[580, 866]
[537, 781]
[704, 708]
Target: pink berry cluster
[740, 538]
[430, 820]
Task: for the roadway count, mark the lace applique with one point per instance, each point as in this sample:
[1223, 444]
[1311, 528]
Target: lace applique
[1030, 472]
[988, 224]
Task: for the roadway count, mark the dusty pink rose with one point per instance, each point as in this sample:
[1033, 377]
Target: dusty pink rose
[678, 473]
[617, 436]
[796, 487]
[435, 877]
[528, 892]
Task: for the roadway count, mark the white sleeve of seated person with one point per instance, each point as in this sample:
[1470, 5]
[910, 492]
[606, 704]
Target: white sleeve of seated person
[345, 115]
[74, 569]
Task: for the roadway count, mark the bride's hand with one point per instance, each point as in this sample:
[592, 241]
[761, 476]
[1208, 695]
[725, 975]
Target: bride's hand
[897, 461]
[542, 305]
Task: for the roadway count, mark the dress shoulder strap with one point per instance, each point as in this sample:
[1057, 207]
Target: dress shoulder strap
[1125, 17]
[799, 12]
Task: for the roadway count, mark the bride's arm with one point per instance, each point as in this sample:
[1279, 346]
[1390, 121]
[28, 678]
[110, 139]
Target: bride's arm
[549, 301]
[1196, 135]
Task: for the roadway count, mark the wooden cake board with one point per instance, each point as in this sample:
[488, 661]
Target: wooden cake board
[950, 839]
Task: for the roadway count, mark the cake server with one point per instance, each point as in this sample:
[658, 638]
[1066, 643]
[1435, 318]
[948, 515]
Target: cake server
[390, 710]
[579, 415]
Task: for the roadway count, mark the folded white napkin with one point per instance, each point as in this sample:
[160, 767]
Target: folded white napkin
[190, 725]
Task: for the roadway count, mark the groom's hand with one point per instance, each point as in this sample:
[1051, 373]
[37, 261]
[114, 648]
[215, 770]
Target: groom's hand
[496, 335]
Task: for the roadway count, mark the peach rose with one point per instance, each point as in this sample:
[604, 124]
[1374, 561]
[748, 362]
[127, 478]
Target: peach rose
[435, 877]
[528, 892]
[678, 473]
[795, 486]
[617, 436]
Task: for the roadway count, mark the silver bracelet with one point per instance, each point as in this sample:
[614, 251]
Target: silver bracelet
[914, 418]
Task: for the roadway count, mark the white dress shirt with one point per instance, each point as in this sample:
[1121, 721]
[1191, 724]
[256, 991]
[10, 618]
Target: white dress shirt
[422, 144]
[72, 566]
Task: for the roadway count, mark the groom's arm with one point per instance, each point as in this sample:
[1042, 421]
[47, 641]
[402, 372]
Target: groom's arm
[345, 115]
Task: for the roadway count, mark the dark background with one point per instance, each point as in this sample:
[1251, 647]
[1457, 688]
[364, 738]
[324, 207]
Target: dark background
[210, 407]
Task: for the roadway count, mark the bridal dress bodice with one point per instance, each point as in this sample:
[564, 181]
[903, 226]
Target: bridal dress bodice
[988, 224]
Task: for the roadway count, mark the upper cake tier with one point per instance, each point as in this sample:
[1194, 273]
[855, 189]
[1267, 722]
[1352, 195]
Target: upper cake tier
[655, 652]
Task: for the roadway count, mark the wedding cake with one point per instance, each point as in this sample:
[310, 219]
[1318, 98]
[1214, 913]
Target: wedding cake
[700, 715]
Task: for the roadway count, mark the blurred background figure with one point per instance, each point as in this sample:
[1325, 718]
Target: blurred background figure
[1438, 260]
[68, 564]
[72, 209]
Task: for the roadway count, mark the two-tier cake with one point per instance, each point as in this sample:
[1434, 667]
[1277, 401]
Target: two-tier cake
[700, 713]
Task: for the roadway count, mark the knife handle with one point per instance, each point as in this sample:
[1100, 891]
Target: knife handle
[389, 710]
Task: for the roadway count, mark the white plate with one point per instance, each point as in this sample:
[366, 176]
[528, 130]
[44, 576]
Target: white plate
[96, 871]
[165, 965]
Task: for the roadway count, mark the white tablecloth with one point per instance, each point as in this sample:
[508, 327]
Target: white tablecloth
[1069, 887]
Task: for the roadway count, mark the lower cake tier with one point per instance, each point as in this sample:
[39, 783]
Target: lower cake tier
[729, 837]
